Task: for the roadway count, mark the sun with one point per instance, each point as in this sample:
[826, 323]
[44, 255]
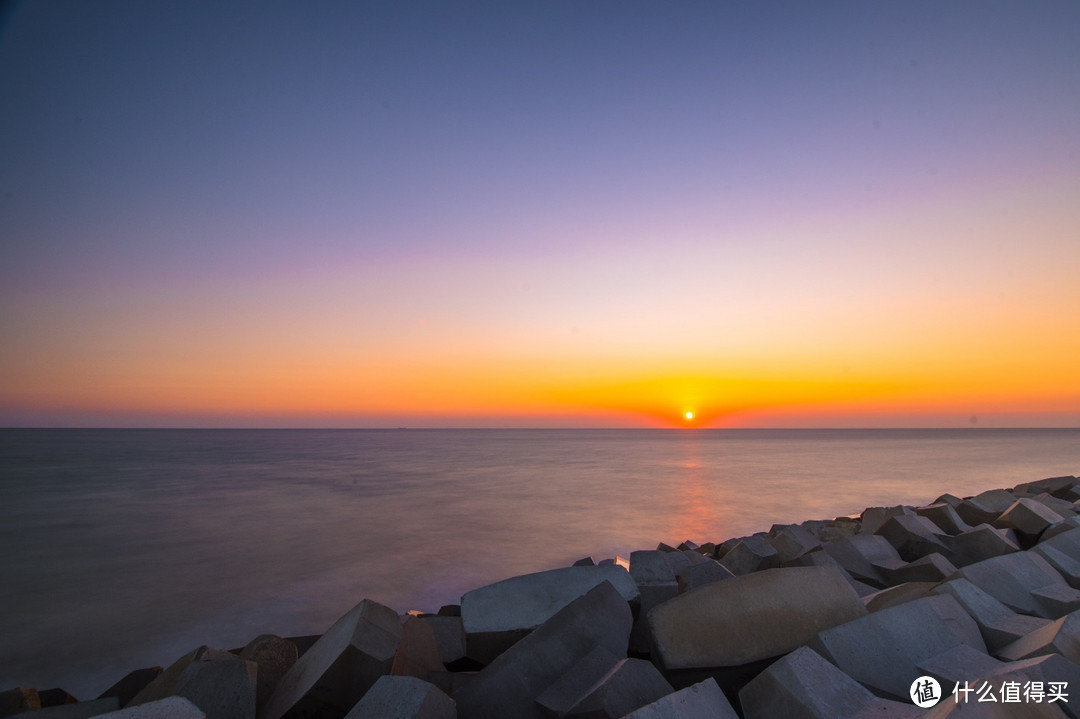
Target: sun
[689, 415]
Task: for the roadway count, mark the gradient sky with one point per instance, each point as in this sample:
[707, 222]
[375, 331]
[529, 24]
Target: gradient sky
[540, 214]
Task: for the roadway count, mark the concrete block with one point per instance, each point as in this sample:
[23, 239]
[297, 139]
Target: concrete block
[872, 518]
[752, 554]
[791, 541]
[802, 685]
[1065, 565]
[931, 568]
[913, 537]
[944, 517]
[628, 684]
[650, 567]
[958, 664]
[998, 624]
[417, 652]
[497, 616]
[1057, 599]
[510, 685]
[125, 688]
[977, 544]
[221, 688]
[1066, 508]
[449, 636]
[700, 701]
[1011, 578]
[164, 684]
[890, 597]
[403, 697]
[1028, 519]
[341, 666]
[1049, 668]
[950, 499]
[1051, 485]
[578, 681]
[1058, 637]
[819, 558]
[697, 575]
[1067, 542]
[167, 708]
[745, 619]
[831, 530]
[881, 650]
[584, 562]
[984, 508]
[861, 556]
[274, 656]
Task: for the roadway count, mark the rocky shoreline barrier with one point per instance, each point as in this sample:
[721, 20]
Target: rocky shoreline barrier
[965, 606]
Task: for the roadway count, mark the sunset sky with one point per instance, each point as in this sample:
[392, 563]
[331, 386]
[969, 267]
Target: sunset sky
[336, 214]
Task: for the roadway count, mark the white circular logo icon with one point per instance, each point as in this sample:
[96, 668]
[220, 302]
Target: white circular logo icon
[925, 692]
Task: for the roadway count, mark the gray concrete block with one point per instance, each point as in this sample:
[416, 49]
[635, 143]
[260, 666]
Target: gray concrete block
[791, 541]
[803, 685]
[125, 688]
[221, 688]
[1057, 599]
[958, 664]
[578, 681]
[1011, 578]
[1058, 637]
[1066, 525]
[1001, 633]
[913, 537]
[745, 619]
[891, 596]
[1028, 519]
[449, 636]
[872, 518]
[1066, 542]
[944, 517]
[274, 656]
[985, 507]
[498, 615]
[417, 653]
[1065, 565]
[510, 685]
[341, 666]
[697, 575]
[752, 554]
[881, 650]
[626, 685]
[931, 568]
[1049, 668]
[167, 708]
[650, 567]
[403, 697]
[700, 701]
[978, 544]
[861, 556]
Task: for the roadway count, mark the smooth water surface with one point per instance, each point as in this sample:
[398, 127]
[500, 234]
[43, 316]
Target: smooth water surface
[127, 548]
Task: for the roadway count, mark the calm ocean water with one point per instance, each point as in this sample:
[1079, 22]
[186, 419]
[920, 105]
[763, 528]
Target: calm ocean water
[127, 548]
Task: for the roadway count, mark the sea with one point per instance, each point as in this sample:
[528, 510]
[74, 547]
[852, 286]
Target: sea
[128, 548]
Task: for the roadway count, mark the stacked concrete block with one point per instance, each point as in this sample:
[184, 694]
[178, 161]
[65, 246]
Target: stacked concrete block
[497, 616]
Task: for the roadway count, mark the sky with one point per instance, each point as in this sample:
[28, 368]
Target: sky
[536, 214]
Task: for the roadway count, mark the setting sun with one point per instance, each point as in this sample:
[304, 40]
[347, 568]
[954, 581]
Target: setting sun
[689, 415]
